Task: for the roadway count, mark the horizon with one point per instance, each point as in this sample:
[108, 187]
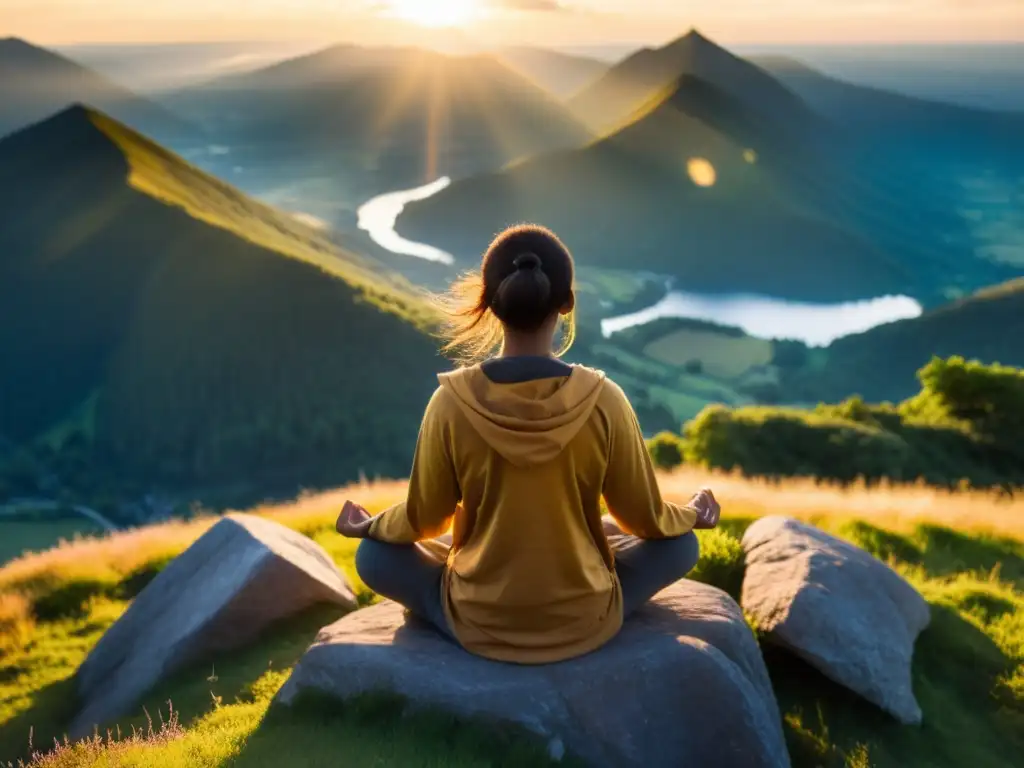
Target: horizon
[557, 24]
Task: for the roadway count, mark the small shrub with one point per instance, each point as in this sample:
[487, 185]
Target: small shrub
[666, 450]
[721, 561]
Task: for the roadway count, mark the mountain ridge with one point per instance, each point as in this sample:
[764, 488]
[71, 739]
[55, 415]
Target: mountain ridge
[644, 177]
[202, 353]
[38, 83]
[633, 81]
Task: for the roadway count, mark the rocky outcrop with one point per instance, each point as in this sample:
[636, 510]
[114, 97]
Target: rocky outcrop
[682, 684]
[240, 576]
[842, 610]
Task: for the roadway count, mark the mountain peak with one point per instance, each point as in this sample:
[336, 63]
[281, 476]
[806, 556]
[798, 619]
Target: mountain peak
[695, 43]
[73, 118]
[19, 46]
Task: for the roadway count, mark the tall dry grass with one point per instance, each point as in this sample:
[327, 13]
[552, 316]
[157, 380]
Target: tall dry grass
[110, 559]
[898, 508]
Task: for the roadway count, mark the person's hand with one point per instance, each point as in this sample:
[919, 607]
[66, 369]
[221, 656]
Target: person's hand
[708, 510]
[354, 521]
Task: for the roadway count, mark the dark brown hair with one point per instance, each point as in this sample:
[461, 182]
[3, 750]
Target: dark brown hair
[526, 276]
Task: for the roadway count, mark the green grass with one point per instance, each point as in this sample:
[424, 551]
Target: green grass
[968, 666]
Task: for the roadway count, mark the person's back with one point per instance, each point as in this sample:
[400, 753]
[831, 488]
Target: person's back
[516, 454]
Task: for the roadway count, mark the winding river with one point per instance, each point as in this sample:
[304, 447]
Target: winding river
[377, 218]
[760, 316]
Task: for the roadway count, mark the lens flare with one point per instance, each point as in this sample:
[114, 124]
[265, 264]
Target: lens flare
[702, 172]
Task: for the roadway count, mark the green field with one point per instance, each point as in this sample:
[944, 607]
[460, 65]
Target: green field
[964, 552]
[721, 356]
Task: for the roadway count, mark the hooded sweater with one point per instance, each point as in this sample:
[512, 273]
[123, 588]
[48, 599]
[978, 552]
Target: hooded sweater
[514, 457]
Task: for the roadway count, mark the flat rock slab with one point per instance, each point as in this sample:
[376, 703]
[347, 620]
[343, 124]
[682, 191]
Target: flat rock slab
[240, 576]
[683, 683]
[844, 611]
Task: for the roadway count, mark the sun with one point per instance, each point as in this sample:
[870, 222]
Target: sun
[436, 13]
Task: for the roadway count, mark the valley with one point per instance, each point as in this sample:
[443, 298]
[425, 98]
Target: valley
[223, 266]
[748, 231]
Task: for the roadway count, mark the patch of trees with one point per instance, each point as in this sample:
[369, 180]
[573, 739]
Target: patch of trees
[963, 427]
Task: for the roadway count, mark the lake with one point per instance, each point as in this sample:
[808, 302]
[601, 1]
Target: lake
[762, 316]
[816, 325]
[377, 218]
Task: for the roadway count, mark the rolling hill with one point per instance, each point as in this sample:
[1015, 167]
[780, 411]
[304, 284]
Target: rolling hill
[183, 334]
[36, 83]
[392, 116]
[698, 186]
[881, 364]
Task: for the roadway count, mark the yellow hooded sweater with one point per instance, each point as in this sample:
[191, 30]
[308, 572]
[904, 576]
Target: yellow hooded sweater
[520, 467]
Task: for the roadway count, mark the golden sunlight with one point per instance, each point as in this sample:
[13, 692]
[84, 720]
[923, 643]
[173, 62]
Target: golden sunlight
[701, 171]
[436, 13]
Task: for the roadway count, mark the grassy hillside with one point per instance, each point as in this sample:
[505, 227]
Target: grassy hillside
[695, 173]
[881, 364]
[964, 551]
[169, 330]
[35, 83]
[388, 116]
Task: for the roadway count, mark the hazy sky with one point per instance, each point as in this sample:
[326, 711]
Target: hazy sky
[528, 21]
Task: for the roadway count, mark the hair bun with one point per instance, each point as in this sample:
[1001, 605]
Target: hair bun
[526, 261]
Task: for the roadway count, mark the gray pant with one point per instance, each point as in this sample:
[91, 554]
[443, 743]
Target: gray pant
[407, 574]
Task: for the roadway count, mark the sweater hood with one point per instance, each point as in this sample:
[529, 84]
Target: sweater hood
[528, 422]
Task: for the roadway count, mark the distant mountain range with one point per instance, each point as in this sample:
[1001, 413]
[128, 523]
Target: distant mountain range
[35, 83]
[394, 115]
[187, 334]
[803, 202]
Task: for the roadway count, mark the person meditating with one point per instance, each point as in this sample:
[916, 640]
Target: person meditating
[514, 456]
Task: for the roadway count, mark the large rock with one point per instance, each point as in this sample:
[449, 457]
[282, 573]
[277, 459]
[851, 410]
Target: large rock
[682, 684]
[845, 612]
[241, 575]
